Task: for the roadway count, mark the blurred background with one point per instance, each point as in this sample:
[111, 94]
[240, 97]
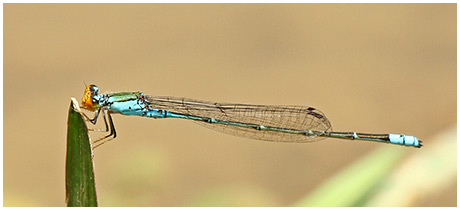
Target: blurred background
[376, 68]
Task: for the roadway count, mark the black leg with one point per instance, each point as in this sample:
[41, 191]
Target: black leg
[105, 121]
[112, 126]
[94, 120]
[112, 135]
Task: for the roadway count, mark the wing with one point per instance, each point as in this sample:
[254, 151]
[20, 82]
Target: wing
[289, 118]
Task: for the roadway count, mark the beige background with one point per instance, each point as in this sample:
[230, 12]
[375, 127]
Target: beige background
[369, 67]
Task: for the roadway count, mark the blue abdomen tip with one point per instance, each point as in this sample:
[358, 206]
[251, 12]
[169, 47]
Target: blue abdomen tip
[405, 140]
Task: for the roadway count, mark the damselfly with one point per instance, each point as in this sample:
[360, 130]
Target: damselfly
[262, 122]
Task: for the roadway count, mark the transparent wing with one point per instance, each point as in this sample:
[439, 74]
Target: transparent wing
[293, 118]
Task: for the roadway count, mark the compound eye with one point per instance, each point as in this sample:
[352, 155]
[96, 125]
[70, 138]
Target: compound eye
[94, 90]
[88, 101]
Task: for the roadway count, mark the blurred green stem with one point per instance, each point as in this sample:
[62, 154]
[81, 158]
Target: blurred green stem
[354, 183]
[389, 177]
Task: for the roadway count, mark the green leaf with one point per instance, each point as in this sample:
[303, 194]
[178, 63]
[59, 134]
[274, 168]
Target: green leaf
[80, 185]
